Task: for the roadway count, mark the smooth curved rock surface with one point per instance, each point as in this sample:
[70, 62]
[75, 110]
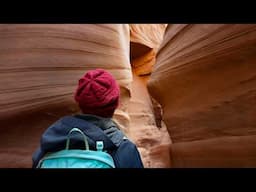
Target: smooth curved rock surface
[34, 57]
[40, 66]
[150, 35]
[221, 152]
[205, 80]
[147, 129]
[153, 142]
[145, 41]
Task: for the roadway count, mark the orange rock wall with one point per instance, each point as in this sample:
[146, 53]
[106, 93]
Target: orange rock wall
[205, 80]
[153, 142]
[146, 128]
[150, 35]
[145, 41]
[40, 66]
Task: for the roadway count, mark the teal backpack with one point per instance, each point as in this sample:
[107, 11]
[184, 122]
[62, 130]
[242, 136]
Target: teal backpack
[78, 158]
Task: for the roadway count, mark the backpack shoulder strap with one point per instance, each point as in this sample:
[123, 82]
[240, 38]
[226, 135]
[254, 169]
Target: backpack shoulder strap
[91, 130]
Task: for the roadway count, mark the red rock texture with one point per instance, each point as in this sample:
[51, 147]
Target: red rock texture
[149, 35]
[153, 142]
[40, 66]
[219, 152]
[205, 79]
[145, 41]
[146, 128]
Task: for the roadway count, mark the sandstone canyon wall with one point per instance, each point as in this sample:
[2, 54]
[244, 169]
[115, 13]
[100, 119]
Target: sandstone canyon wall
[145, 41]
[205, 80]
[153, 141]
[147, 128]
[40, 66]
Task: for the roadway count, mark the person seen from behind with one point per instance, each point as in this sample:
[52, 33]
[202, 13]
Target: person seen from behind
[97, 95]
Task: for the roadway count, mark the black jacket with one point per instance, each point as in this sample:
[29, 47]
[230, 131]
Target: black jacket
[122, 150]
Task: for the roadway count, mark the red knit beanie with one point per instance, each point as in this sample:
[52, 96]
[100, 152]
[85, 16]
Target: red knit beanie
[98, 93]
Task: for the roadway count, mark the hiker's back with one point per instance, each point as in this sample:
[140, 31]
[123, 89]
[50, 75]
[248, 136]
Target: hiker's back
[78, 158]
[54, 139]
[97, 95]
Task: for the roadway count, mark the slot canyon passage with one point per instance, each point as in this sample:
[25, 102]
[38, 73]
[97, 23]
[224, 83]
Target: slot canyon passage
[188, 91]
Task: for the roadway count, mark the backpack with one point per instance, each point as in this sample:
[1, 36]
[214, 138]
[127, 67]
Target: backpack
[78, 158]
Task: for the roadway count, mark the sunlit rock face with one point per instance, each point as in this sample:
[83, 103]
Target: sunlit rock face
[153, 141]
[146, 128]
[145, 41]
[205, 80]
[40, 66]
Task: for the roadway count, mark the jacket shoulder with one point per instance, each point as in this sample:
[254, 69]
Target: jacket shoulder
[127, 155]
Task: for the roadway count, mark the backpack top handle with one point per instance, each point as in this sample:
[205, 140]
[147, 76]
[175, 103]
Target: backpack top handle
[79, 131]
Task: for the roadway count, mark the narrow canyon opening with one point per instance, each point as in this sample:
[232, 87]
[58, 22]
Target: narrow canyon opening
[147, 129]
[188, 92]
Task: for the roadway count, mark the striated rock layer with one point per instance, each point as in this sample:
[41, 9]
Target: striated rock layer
[40, 66]
[205, 80]
[146, 128]
[153, 141]
[145, 41]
